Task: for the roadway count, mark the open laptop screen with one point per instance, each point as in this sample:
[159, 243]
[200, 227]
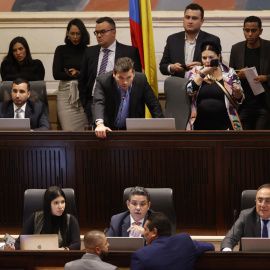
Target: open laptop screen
[255, 244]
[14, 124]
[150, 123]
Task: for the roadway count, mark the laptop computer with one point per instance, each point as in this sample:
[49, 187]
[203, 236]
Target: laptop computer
[150, 123]
[14, 124]
[255, 244]
[125, 243]
[39, 242]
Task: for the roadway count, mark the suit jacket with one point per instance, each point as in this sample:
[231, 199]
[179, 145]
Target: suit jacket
[174, 51]
[247, 225]
[237, 61]
[89, 262]
[175, 252]
[88, 71]
[120, 223]
[33, 110]
[107, 99]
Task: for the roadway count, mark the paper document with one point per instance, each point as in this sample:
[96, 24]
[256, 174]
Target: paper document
[256, 87]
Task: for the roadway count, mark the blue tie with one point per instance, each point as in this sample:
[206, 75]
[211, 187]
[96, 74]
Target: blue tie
[265, 231]
[104, 61]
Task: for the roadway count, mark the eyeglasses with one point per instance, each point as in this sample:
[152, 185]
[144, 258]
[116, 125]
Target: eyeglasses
[102, 32]
[260, 201]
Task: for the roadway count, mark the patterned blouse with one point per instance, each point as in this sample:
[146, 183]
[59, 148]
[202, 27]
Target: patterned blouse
[230, 78]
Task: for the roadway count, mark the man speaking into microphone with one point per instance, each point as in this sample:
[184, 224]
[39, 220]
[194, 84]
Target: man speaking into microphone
[120, 94]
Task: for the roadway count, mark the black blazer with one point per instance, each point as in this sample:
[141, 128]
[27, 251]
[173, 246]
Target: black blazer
[121, 222]
[174, 51]
[88, 70]
[33, 110]
[237, 61]
[107, 99]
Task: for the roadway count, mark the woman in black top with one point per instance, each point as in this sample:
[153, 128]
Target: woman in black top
[53, 220]
[19, 63]
[66, 68]
[215, 90]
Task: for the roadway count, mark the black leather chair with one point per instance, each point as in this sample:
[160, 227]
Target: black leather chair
[248, 199]
[37, 88]
[33, 201]
[161, 201]
[177, 101]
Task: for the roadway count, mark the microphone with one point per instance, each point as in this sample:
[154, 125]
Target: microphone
[124, 95]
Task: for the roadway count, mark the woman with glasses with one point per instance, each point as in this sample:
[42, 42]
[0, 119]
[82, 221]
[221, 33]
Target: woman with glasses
[19, 63]
[66, 68]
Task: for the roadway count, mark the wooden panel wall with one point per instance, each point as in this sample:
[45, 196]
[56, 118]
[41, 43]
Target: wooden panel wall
[206, 170]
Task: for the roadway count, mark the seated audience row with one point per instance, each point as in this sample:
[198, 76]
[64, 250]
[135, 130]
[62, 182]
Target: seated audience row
[78, 67]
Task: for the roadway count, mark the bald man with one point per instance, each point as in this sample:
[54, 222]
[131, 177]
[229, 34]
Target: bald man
[96, 246]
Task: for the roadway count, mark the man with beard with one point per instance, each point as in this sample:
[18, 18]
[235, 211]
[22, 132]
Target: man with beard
[182, 51]
[96, 247]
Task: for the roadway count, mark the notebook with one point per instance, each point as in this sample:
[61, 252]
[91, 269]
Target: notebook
[125, 243]
[39, 242]
[255, 244]
[14, 124]
[150, 123]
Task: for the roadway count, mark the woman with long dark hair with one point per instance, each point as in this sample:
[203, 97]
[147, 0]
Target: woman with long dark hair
[19, 63]
[66, 68]
[53, 220]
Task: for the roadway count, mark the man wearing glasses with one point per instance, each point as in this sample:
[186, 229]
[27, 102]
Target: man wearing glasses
[254, 113]
[100, 59]
[252, 222]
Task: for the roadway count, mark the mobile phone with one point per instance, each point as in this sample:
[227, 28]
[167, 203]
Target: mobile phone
[184, 66]
[214, 63]
[8, 239]
[66, 70]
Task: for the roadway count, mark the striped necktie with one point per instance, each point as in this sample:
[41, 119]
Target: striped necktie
[104, 61]
[18, 111]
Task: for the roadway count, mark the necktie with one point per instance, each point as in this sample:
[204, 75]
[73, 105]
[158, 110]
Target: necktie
[265, 231]
[137, 223]
[104, 61]
[18, 111]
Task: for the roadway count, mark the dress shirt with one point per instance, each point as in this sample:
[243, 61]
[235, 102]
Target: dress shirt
[123, 112]
[189, 51]
[111, 60]
[132, 221]
[22, 113]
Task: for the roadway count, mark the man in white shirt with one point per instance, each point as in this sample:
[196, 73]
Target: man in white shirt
[130, 223]
[252, 222]
[96, 247]
[21, 107]
[100, 59]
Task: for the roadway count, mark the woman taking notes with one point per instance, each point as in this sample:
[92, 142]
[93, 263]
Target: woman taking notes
[66, 68]
[53, 220]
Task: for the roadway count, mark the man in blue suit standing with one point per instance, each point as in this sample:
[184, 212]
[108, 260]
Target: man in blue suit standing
[164, 251]
[130, 223]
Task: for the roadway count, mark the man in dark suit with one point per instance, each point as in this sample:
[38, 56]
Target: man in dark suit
[21, 107]
[252, 222]
[96, 61]
[96, 247]
[164, 251]
[182, 51]
[254, 113]
[130, 223]
[122, 94]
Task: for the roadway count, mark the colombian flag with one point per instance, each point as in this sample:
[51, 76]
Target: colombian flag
[141, 30]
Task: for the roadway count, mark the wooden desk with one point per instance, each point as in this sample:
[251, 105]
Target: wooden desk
[206, 170]
[29, 260]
